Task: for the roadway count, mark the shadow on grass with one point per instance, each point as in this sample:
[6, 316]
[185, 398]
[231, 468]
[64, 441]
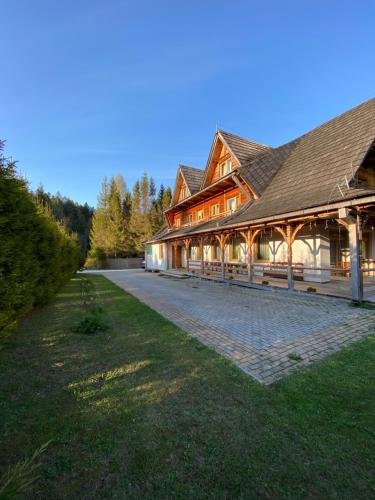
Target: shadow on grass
[146, 411]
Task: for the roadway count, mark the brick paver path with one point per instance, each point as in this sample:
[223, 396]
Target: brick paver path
[257, 329]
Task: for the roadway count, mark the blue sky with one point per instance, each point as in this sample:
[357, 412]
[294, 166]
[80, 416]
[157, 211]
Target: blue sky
[94, 88]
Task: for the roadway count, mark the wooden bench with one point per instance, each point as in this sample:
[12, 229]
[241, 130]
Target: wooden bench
[280, 270]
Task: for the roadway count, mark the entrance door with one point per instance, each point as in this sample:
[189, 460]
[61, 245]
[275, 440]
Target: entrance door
[177, 257]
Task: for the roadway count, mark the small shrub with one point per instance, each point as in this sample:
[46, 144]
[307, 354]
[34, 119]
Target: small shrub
[265, 282]
[94, 321]
[311, 289]
[295, 357]
[87, 291]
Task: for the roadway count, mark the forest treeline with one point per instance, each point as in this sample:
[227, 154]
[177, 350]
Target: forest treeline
[75, 217]
[124, 219]
[37, 253]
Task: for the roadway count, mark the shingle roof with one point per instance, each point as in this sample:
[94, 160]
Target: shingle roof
[259, 172]
[243, 149]
[316, 169]
[319, 166]
[193, 177]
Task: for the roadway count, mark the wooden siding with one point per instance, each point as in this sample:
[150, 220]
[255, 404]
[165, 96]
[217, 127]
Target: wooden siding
[220, 155]
[220, 199]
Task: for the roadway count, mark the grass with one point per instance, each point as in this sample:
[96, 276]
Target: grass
[146, 411]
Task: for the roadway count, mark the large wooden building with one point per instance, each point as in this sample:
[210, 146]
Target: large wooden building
[303, 211]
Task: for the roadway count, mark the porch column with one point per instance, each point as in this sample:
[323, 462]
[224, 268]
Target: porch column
[352, 223]
[222, 239]
[248, 237]
[289, 236]
[175, 243]
[187, 242]
[290, 257]
[202, 254]
[222, 256]
[355, 261]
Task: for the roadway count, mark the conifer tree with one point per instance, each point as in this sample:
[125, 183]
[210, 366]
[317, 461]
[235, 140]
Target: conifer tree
[116, 233]
[99, 236]
[136, 219]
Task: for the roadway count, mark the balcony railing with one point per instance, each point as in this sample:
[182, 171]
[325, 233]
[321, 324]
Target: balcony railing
[207, 218]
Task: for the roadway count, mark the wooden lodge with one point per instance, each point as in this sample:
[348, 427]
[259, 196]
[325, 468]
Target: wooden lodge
[303, 212]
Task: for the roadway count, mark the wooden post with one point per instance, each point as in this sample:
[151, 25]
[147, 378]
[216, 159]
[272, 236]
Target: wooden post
[353, 225]
[222, 239]
[289, 242]
[202, 254]
[289, 237]
[249, 247]
[175, 254]
[187, 242]
[355, 261]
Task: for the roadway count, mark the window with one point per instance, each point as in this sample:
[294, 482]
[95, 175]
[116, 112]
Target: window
[225, 167]
[183, 192]
[200, 214]
[215, 252]
[195, 252]
[189, 218]
[263, 248]
[232, 204]
[161, 251]
[215, 209]
[236, 249]
[178, 222]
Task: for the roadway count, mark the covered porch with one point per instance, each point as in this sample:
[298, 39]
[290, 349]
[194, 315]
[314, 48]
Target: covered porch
[332, 254]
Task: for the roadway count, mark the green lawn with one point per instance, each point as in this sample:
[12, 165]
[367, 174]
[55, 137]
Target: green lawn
[145, 411]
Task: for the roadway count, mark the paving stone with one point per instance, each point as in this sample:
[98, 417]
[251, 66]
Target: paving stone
[256, 329]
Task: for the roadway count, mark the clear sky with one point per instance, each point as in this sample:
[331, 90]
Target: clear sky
[91, 88]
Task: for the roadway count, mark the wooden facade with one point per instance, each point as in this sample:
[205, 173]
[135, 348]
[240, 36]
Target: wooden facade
[249, 214]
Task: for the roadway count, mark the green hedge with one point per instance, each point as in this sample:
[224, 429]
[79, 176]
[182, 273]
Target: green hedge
[37, 256]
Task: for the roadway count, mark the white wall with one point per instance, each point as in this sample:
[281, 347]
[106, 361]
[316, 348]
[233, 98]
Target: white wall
[312, 250]
[153, 260]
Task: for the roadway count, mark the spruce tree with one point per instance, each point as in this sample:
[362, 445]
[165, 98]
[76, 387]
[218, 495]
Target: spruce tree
[136, 219]
[115, 221]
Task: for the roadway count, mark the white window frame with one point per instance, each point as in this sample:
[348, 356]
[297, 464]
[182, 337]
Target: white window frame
[200, 214]
[215, 209]
[235, 200]
[226, 167]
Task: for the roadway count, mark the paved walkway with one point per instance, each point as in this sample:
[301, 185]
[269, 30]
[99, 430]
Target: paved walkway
[260, 330]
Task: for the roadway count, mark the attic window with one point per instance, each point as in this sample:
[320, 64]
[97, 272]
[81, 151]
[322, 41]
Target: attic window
[225, 167]
[232, 204]
[183, 192]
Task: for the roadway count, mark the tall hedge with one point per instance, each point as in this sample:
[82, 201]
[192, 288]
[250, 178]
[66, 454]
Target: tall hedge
[37, 255]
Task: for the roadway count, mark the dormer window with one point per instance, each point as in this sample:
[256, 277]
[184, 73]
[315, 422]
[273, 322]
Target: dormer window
[225, 167]
[215, 210]
[232, 204]
[183, 192]
[200, 214]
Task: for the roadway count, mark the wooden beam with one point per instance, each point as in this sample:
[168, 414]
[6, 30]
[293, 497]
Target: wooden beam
[244, 191]
[355, 261]
[201, 240]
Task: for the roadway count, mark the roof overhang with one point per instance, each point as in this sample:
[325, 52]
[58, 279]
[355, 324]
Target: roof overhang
[318, 211]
